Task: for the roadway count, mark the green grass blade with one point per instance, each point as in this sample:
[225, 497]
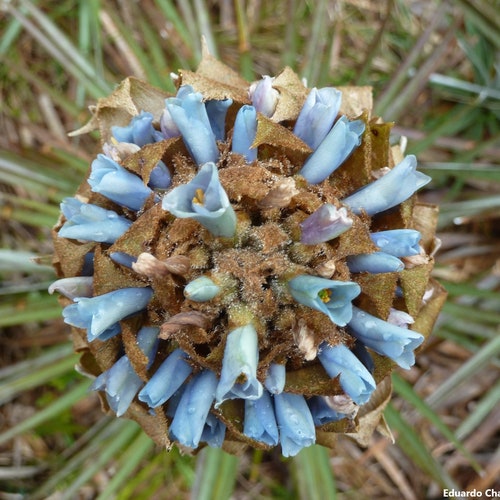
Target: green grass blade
[15, 385]
[411, 444]
[314, 474]
[65, 401]
[406, 391]
[476, 363]
[216, 475]
[128, 462]
[107, 450]
[486, 404]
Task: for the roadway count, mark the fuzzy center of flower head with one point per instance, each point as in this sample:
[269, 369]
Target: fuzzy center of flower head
[229, 272]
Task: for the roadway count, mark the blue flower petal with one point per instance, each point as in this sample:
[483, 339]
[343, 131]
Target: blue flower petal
[89, 222]
[356, 381]
[217, 111]
[340, 142]
[245, 129]
[295, 423]
[395, 342]
[376, 262]
[317, 115]
[121, 382]
[204, 200]
[189, 114]
[192, 410]
[332, 298]
[98, 314]
[398, 242]
[169, 377]
[260, 421]
[214, 432]
[139, 131]
[117, 184]
[276, 378]
[389, 190]
[241, 356]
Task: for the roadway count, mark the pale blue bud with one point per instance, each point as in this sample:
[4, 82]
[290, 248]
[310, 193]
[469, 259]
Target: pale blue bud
[201, 289]
[241, 356]
[217, 111]
[317, 115]
[340, 142]
[389, 190]
[192, 410]
[295, 423]
[260, 421]
[98, 314]
[78, 286]
[395, 342]
[276, 378]
[169, 377]
[139, 131]
[356, 381]
[88, 222]
[398, 242]
[189, 114]
[375, 263]
[264, 97]
[245, 129]
[119, 185]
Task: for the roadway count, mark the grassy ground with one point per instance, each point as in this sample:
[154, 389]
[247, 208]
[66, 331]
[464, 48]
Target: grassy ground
[434, 67]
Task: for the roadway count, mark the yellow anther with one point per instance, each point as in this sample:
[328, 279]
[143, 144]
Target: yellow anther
[199, 197]
[325, 295]
[114, 141]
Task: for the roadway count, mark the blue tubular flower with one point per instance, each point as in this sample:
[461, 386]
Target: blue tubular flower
[192, 411]
[317, 115]
[333, 151]
[122, 258]
[114, 182]
[321, 412]
[295, 423]
[276, 377]
[139, 131]
[389, 190]
[376, 262]
[241, 356]
[389, 340]
[356, 381]
[264, 97]
[204, 200]
[245, 128]
[326, 223]
[89, 222]
[169, 377]
[160, 177]
[99, 314]
[332, 298]
[189, 114]
[121, 382]
[214, 432]
[201, 289]
[260, 422]
[217, 111]
[398, 242]
[78, 286]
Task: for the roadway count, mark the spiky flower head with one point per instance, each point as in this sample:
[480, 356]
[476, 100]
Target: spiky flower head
[263, 234]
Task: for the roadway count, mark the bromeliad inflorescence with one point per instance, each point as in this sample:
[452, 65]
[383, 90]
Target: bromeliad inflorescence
[244, 261]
